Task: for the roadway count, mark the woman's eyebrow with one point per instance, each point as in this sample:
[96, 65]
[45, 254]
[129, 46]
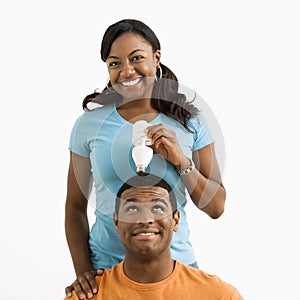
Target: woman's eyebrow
[132, 52]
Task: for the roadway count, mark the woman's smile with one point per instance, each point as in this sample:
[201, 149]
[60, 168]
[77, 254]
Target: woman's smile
[131, 82]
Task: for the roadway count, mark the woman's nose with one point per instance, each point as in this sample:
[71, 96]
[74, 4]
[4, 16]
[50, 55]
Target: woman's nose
[127, 69]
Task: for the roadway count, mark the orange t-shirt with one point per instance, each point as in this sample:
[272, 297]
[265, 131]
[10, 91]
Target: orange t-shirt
[185, 282]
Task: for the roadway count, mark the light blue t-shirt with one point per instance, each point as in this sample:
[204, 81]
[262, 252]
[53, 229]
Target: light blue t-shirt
[105, 137]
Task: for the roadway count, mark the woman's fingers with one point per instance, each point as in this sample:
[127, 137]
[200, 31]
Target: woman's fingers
[157, 132]
[85, 285]
[165, 144]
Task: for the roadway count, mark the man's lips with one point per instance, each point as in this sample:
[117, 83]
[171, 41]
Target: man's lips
[145, 232]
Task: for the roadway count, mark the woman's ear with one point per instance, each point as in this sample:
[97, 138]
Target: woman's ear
[176, 218]
[157, 56]
[116, 222]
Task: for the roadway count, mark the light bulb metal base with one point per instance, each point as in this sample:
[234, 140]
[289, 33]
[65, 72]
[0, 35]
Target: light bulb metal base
[140, 169]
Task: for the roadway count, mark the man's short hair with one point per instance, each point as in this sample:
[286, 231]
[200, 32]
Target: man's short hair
[146, 180]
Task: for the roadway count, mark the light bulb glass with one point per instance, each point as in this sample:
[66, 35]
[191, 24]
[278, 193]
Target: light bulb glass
[138, 135]
[142, 156]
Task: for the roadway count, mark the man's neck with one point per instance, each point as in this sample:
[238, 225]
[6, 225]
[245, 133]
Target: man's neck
[148, 270]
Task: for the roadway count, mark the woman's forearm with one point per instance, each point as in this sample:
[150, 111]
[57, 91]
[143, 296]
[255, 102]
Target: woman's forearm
[207, 194]
[77, 234]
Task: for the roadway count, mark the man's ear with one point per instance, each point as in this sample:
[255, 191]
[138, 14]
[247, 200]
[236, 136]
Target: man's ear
[176, 218]
[116, 222]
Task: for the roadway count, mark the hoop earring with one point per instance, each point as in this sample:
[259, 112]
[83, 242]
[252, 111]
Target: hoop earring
[159, 70]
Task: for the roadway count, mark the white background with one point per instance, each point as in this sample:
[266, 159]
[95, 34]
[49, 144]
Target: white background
[242, 57]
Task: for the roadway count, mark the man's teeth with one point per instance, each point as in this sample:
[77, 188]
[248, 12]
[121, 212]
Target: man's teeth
[132, 82]
[146, 233]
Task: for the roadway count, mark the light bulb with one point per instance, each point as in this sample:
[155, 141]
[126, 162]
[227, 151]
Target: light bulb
[138, 135]
[142, 156]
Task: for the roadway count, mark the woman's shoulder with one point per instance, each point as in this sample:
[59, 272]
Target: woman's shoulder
[98, 111]
[93, 117]
[195, 122]
[198, 121]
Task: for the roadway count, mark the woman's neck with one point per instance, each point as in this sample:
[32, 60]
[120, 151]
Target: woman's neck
[133, 111]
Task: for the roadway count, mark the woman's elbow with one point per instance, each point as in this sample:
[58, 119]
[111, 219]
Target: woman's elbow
[216, 208]
[217, 213]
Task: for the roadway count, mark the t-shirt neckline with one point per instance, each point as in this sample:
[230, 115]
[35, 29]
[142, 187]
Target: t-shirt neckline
[124, 121]
[149, 286]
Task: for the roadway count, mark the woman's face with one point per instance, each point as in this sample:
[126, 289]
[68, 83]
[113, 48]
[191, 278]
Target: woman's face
[132, 66]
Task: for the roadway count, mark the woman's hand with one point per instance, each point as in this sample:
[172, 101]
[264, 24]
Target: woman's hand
[204, 184]
[85, 285]
[165, 144]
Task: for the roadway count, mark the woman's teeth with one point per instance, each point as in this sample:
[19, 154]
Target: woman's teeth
[132, 82]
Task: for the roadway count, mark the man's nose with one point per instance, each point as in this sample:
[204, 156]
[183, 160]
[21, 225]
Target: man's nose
[145, 217]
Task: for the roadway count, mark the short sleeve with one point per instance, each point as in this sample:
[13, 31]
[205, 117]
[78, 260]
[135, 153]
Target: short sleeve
[202, 135]
[78, 139]
[236, 295]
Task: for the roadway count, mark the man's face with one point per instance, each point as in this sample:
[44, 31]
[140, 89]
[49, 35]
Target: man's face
[145, 221]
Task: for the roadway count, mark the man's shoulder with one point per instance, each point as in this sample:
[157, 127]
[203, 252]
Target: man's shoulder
[112, 273]
[208, 283]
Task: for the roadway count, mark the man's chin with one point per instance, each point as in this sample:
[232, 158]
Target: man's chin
[146, 252]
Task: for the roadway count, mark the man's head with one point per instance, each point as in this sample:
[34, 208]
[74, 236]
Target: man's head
[146, 215]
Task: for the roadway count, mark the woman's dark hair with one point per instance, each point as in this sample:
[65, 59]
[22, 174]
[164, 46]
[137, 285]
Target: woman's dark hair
[165, 97]
[145, 180]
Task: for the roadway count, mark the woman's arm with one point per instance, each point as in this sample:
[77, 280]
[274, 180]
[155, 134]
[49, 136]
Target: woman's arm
[204, 183]
[77, 227]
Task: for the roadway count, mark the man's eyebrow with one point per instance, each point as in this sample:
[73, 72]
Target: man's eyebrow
[124, 202]
[160, 200]
[135, 200]
[132, 52]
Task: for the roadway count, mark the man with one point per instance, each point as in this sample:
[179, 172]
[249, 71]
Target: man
[145, 217]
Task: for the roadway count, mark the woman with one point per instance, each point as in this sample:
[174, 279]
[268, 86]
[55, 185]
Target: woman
[140, 88]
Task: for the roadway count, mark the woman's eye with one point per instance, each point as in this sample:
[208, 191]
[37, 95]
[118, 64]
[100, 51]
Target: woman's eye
[138, 57]
[113, 63]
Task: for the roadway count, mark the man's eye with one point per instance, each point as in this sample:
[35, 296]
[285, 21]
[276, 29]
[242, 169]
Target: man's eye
[132, 209]
[158, 208]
